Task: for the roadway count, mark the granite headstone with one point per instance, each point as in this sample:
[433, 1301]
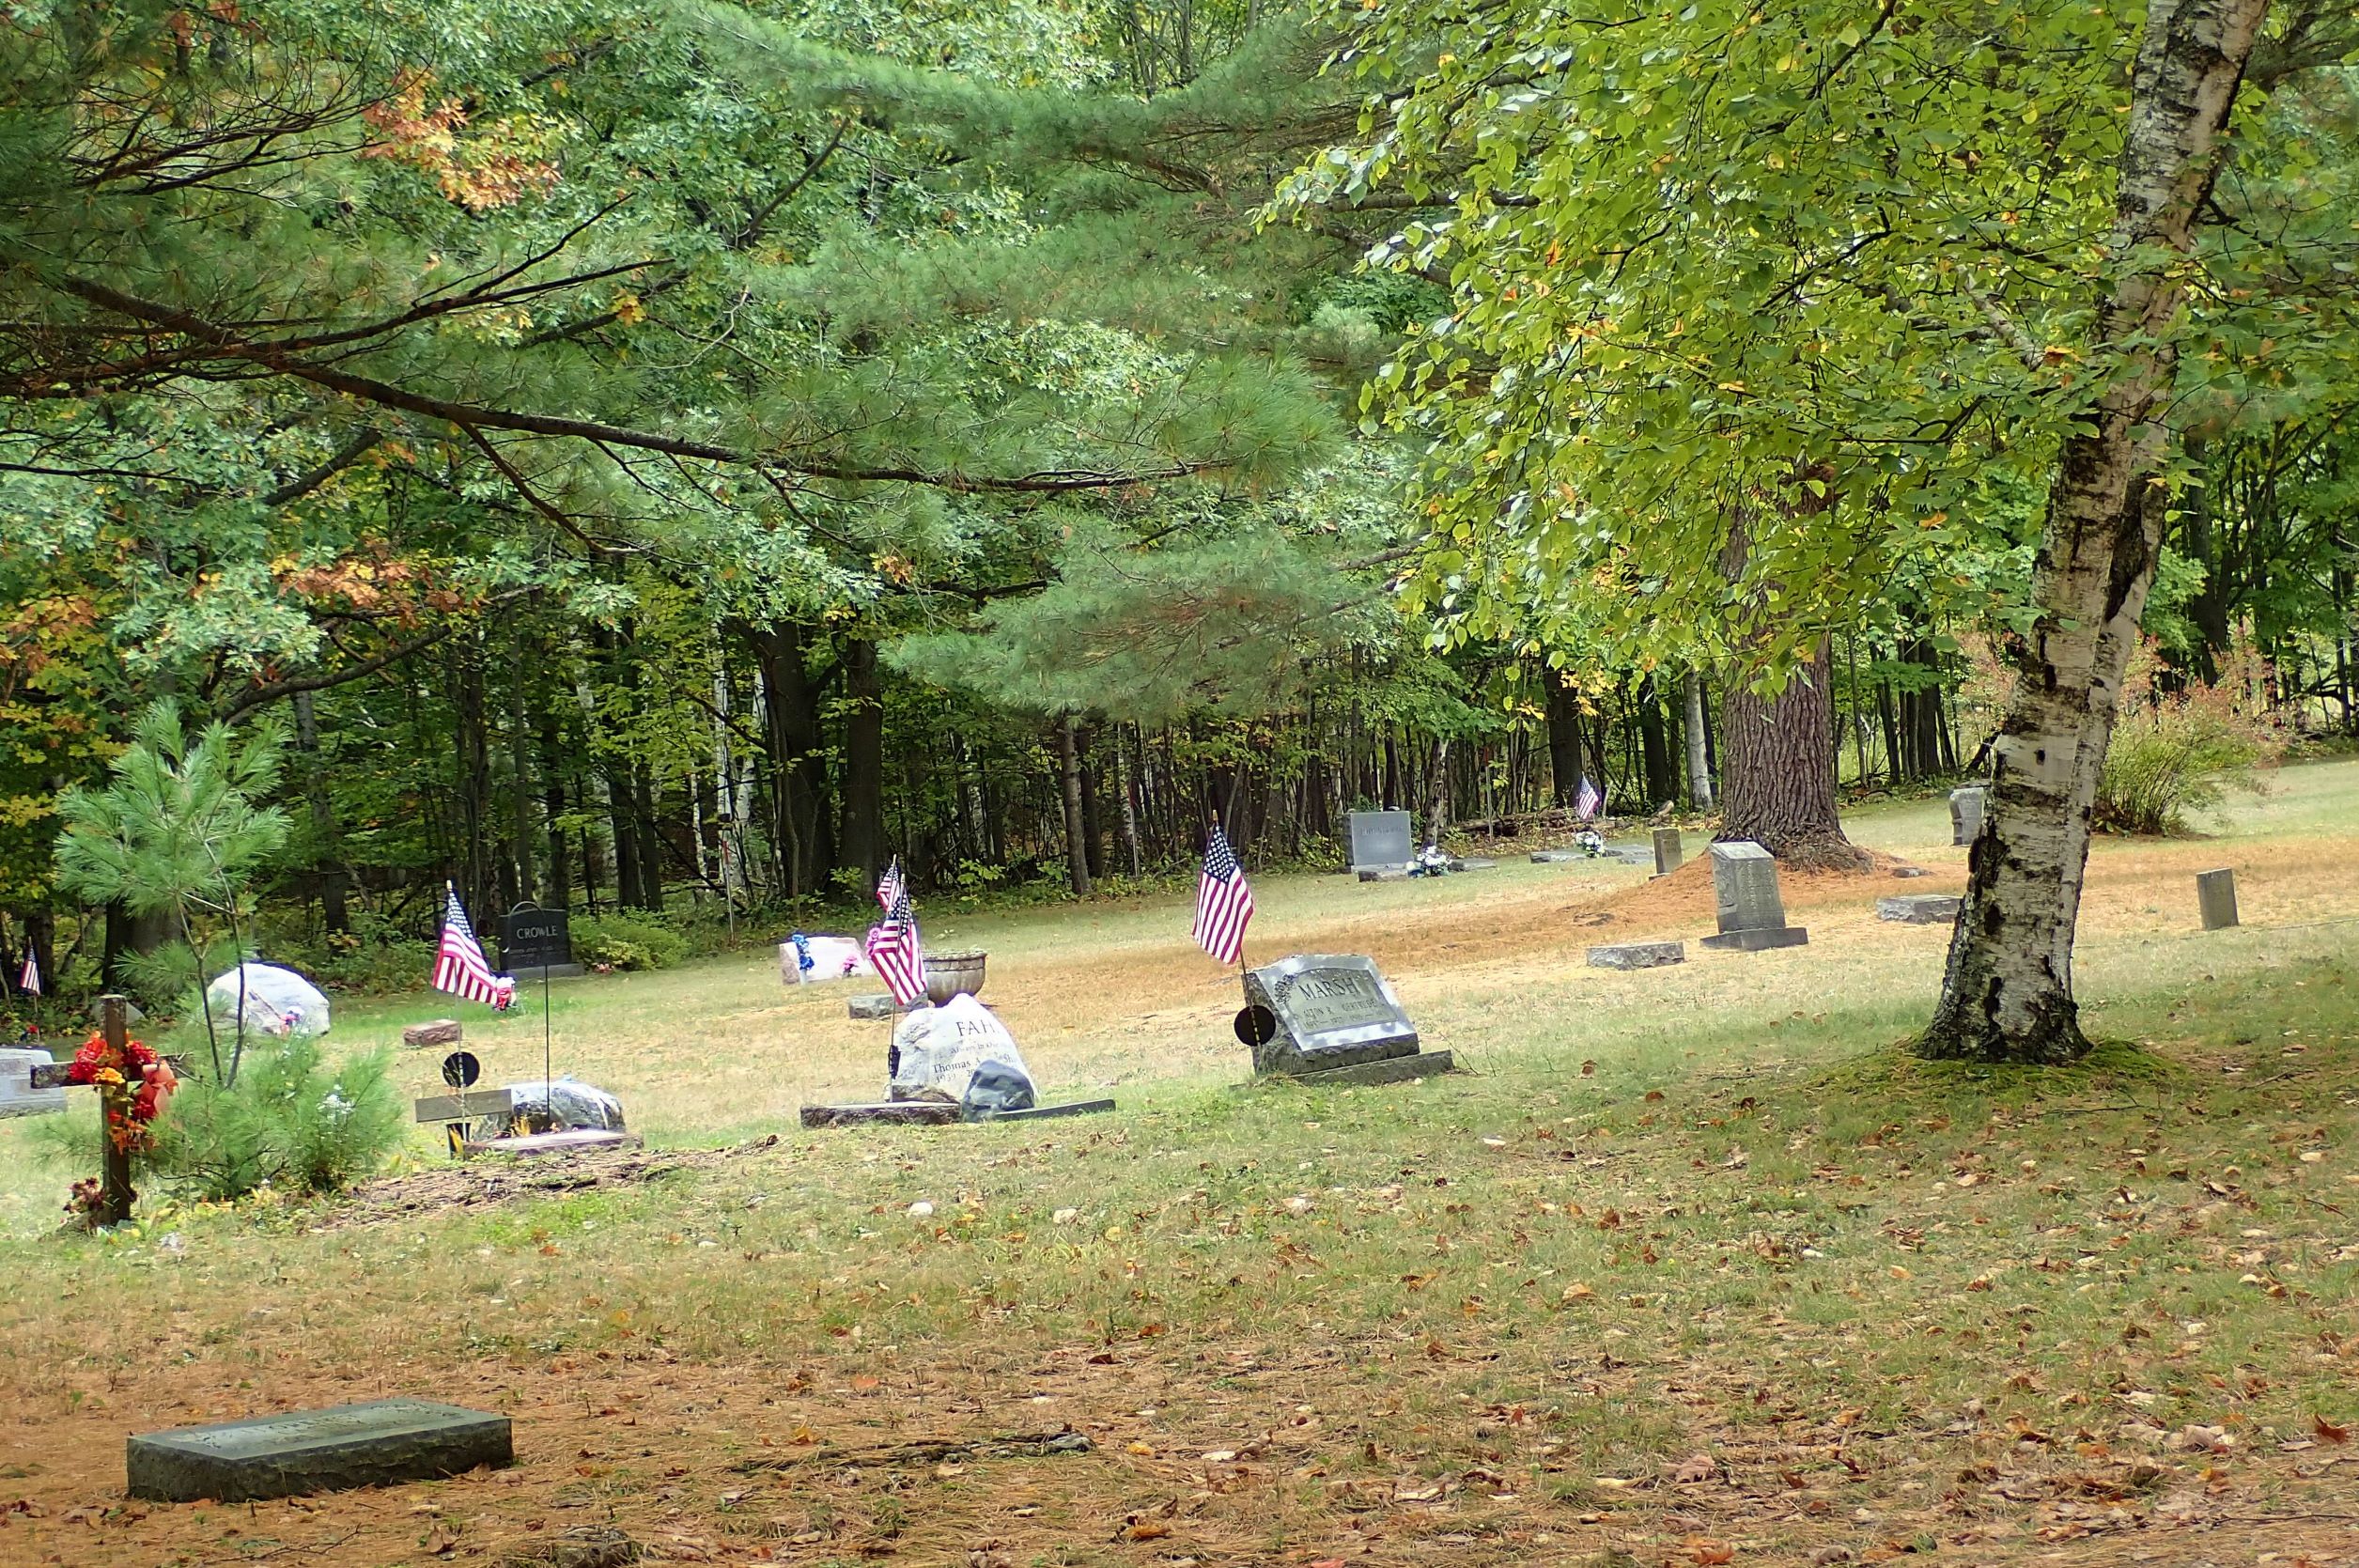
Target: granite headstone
[1669, 853]
[1333, 1018]
[1965, 813]
[1752, 915]
[1381, 840]
[18, 1097]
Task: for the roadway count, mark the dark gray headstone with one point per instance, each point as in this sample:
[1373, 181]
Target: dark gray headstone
[1919, 908]
[1752, 916]
[1965, 813]
[377, 1444]
[1669, 853]
[1381, 838]
[1332, 1011]
[1637, 955]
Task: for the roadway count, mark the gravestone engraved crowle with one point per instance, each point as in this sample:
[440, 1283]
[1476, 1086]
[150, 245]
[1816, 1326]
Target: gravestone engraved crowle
[1331, 1019]
[1752, 915]
[538, 944]
[384, 1441]
[1965, 813]
[1381, 840]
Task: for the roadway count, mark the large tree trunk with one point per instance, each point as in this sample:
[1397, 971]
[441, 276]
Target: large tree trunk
[795, 739]
[327, 858]
[1566, 763]
[1654, 743]
[2007, 994]
[1778, 783]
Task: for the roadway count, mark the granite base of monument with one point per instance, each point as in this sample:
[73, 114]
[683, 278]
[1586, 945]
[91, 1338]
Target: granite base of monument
[1760, 940]
[1919, 908]
[1392, 1069]
[1637, 955]
[533, 976]
[381, 1443]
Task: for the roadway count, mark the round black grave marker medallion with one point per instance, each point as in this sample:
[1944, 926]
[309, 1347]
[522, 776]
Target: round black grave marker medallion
[460, 1069]
[1256, 1024]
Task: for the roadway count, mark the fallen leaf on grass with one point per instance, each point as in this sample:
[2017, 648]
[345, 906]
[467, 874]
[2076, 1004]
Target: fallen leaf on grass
[1695, 1468]
[1709, 1552]
[2328, 1432]
[1147, 1530]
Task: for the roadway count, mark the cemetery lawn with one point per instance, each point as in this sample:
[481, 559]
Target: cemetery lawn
[1693, 1266]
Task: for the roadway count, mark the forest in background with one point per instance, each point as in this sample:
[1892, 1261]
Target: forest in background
[680, 457]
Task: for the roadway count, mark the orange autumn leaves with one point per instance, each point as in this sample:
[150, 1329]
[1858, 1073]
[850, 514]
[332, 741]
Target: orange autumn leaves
[498, 165]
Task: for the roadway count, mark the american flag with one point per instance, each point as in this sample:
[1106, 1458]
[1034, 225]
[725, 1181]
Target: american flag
[893, 947]
[1588, 800]
[29, 982]
[1224, 902]
[458, 964]
[891, 886]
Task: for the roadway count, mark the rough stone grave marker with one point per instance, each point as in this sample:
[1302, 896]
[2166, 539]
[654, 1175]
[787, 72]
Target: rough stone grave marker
[1381, 840]
[1669, 853]
[1919, 908]
[440, 1031]
[379, 1443]
[1330, 1018]
[1637, 955]
[1752, 916]
[1965, 813]
[2215, 894]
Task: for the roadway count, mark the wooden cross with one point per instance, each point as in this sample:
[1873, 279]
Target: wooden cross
[116, 1196]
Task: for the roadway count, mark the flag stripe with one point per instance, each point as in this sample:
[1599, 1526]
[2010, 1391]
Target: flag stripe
[893, 946]
[459, 965]
[1224, 902]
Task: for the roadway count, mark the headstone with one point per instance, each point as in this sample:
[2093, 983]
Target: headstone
[1637, 955]
[1669, 853]
[1752, 916]
[1332, 1019]
[1920, 909]
[2215, 894]
[442, 1031]
[1381, 839]
[1907, 872]
[1965, 813]
[1472, 863]
[1558, 856]
[880, 1005]
[536, 944]
[381, 1443]
[18, 1097]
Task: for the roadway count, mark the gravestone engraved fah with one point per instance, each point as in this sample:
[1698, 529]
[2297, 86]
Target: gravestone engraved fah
[376, 1444]
[1381, 839]
[1330, 1011]
[1752, 915]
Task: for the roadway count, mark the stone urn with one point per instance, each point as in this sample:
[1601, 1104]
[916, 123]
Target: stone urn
[949, 974]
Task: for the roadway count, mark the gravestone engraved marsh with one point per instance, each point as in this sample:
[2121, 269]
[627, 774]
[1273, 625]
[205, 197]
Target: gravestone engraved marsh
[1965, 813]
[1752, 916]
[1669, 853]
[1381, 840]
[376, 1444]
[1332, 1019]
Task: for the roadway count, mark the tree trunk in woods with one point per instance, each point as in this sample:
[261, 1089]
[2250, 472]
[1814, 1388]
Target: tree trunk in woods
[2007, 992]
[327, 860]
[1694, 731]
[1126, 785]
[1436, 816]
[1077, 853]
[527, 872]
[795, 739]
[1778, 780]
[556, 886]
[1654, 742]
[1566, 761]
[1092, 818]
[862, 842]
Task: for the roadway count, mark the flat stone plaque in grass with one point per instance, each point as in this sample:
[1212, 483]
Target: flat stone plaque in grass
[377, 1444]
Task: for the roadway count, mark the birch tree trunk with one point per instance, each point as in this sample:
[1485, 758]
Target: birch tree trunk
[1077, 853]
[2008, 993]
[1699, 750]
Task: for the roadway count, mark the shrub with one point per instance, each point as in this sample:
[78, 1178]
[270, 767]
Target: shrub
[2176, 752]
[291, 1119]
[628, 941]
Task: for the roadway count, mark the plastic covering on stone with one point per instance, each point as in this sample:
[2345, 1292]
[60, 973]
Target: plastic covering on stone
[277, 1002]
[576, 1104]
[961, 1051]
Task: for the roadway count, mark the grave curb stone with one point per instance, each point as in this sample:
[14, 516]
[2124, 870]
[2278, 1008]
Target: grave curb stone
[1384, 874]
[417, 1440]
[1760, 941]
[438, 1032]
[1919, 908]
[908, 1113]
[1637, 955]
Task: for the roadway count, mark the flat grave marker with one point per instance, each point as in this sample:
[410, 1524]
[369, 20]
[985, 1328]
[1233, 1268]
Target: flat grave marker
[18, 1097]
[1919, 908]
[1637, 955]
[381, 1443]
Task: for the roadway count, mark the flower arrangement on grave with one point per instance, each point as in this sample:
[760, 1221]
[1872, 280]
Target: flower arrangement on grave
[131, 1113]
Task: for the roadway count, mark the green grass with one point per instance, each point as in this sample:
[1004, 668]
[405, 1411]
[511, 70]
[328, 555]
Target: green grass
[1712, 1211]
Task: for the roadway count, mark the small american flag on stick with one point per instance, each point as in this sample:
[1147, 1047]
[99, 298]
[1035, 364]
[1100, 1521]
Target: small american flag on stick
[893, 947]
[459, 967]
[1224, 901]
[891, 886]
[1588, 800]
[29, 980]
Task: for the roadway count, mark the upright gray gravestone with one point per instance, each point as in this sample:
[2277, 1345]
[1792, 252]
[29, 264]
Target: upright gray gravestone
[2215, 894]
[1669, 853]
[1381, 840]
[1965, 813]
[1330, 1018]
[385, 1441]
[1745, 887]
[18, 1097]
